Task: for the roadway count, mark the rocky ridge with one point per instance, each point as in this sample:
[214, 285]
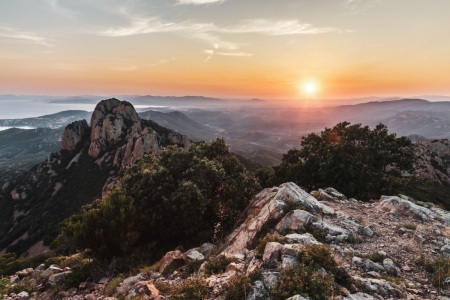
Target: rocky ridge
[87, 164]
[433, 160]
[380, 249]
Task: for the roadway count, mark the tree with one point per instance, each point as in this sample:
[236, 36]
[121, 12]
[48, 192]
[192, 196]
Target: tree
[180, 197]
[358, 161]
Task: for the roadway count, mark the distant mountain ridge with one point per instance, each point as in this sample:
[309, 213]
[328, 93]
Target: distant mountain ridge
[56, 120]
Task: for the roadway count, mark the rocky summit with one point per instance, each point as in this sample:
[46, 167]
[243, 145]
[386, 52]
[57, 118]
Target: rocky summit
[378, 250]
[33, 204]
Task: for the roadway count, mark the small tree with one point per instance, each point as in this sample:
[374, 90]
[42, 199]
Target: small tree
[358, 161]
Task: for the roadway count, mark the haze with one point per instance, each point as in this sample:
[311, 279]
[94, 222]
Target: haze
[225, 48]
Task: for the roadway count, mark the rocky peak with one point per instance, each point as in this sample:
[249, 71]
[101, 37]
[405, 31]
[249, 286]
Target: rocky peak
[74, 134]
[113, 122]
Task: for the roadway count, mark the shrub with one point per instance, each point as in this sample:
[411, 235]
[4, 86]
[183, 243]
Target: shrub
[309, 278]
[358, 161]
[305, 280]
[111, 287]
[191, 289]
[178, 197]
[218, 264]
[239, 287]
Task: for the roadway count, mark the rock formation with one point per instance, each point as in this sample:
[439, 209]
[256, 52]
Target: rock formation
[74, 134]
[86, 168]
[113, 122]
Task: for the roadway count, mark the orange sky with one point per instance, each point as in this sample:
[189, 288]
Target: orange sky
[225, 48]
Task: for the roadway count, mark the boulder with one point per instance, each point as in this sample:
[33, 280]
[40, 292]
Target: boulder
[129, 282]
[272, 254]
[143, 290]
[258, 291]
[401, 206]
[270, 280]
[171, 262]
[304, 239]
[295, 220]
[24, 273]
[74, 135]
[207, 249]
[23, 296]
[297, 297]
[289, 262]
[267, 207]
[55, 278]
[390, 267]
[194, 256]
[53, 269]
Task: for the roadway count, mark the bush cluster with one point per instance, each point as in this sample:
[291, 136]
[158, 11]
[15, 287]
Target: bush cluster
[178, 197]
[358, 161]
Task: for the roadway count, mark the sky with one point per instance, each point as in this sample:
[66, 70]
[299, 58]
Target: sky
[277, 49]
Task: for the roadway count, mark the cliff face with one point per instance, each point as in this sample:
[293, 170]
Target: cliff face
[433, 160]
[112, 123]
[90, 158]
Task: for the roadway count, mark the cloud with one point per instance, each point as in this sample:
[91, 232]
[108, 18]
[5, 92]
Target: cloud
[357, 6]
[199, 2]
[161, 61]
[14, 33]
[276, 27]
[211, 52]
[126, 68]
[209, 32]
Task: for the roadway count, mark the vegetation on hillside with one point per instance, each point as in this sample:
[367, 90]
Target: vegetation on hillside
[358, 161]
[180, 197]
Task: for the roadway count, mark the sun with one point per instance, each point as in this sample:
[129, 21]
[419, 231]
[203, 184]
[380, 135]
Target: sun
[310, 88]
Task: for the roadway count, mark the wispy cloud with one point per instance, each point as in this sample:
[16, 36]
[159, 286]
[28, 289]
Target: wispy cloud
[357, 6]
[199, 2]
[258, 26]
[161, 61]
[126, 68]
[276, 27]
[209, 32]
[14, 33]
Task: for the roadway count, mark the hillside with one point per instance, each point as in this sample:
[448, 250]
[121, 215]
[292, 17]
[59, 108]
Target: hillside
[289, 245]
[33, 204]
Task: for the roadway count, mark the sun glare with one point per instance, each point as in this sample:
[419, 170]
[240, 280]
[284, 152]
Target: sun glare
[310, 88]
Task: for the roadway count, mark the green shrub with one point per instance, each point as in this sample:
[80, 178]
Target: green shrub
[79, 274]
[7, 288]
[239, 286]
[176, 198]
[111, 287]
[191, 289]
[438, 268]
[356, 160]
[306, 280]
[218, 264]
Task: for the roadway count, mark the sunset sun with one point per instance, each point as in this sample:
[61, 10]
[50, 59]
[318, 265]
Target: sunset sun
[309, 88]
